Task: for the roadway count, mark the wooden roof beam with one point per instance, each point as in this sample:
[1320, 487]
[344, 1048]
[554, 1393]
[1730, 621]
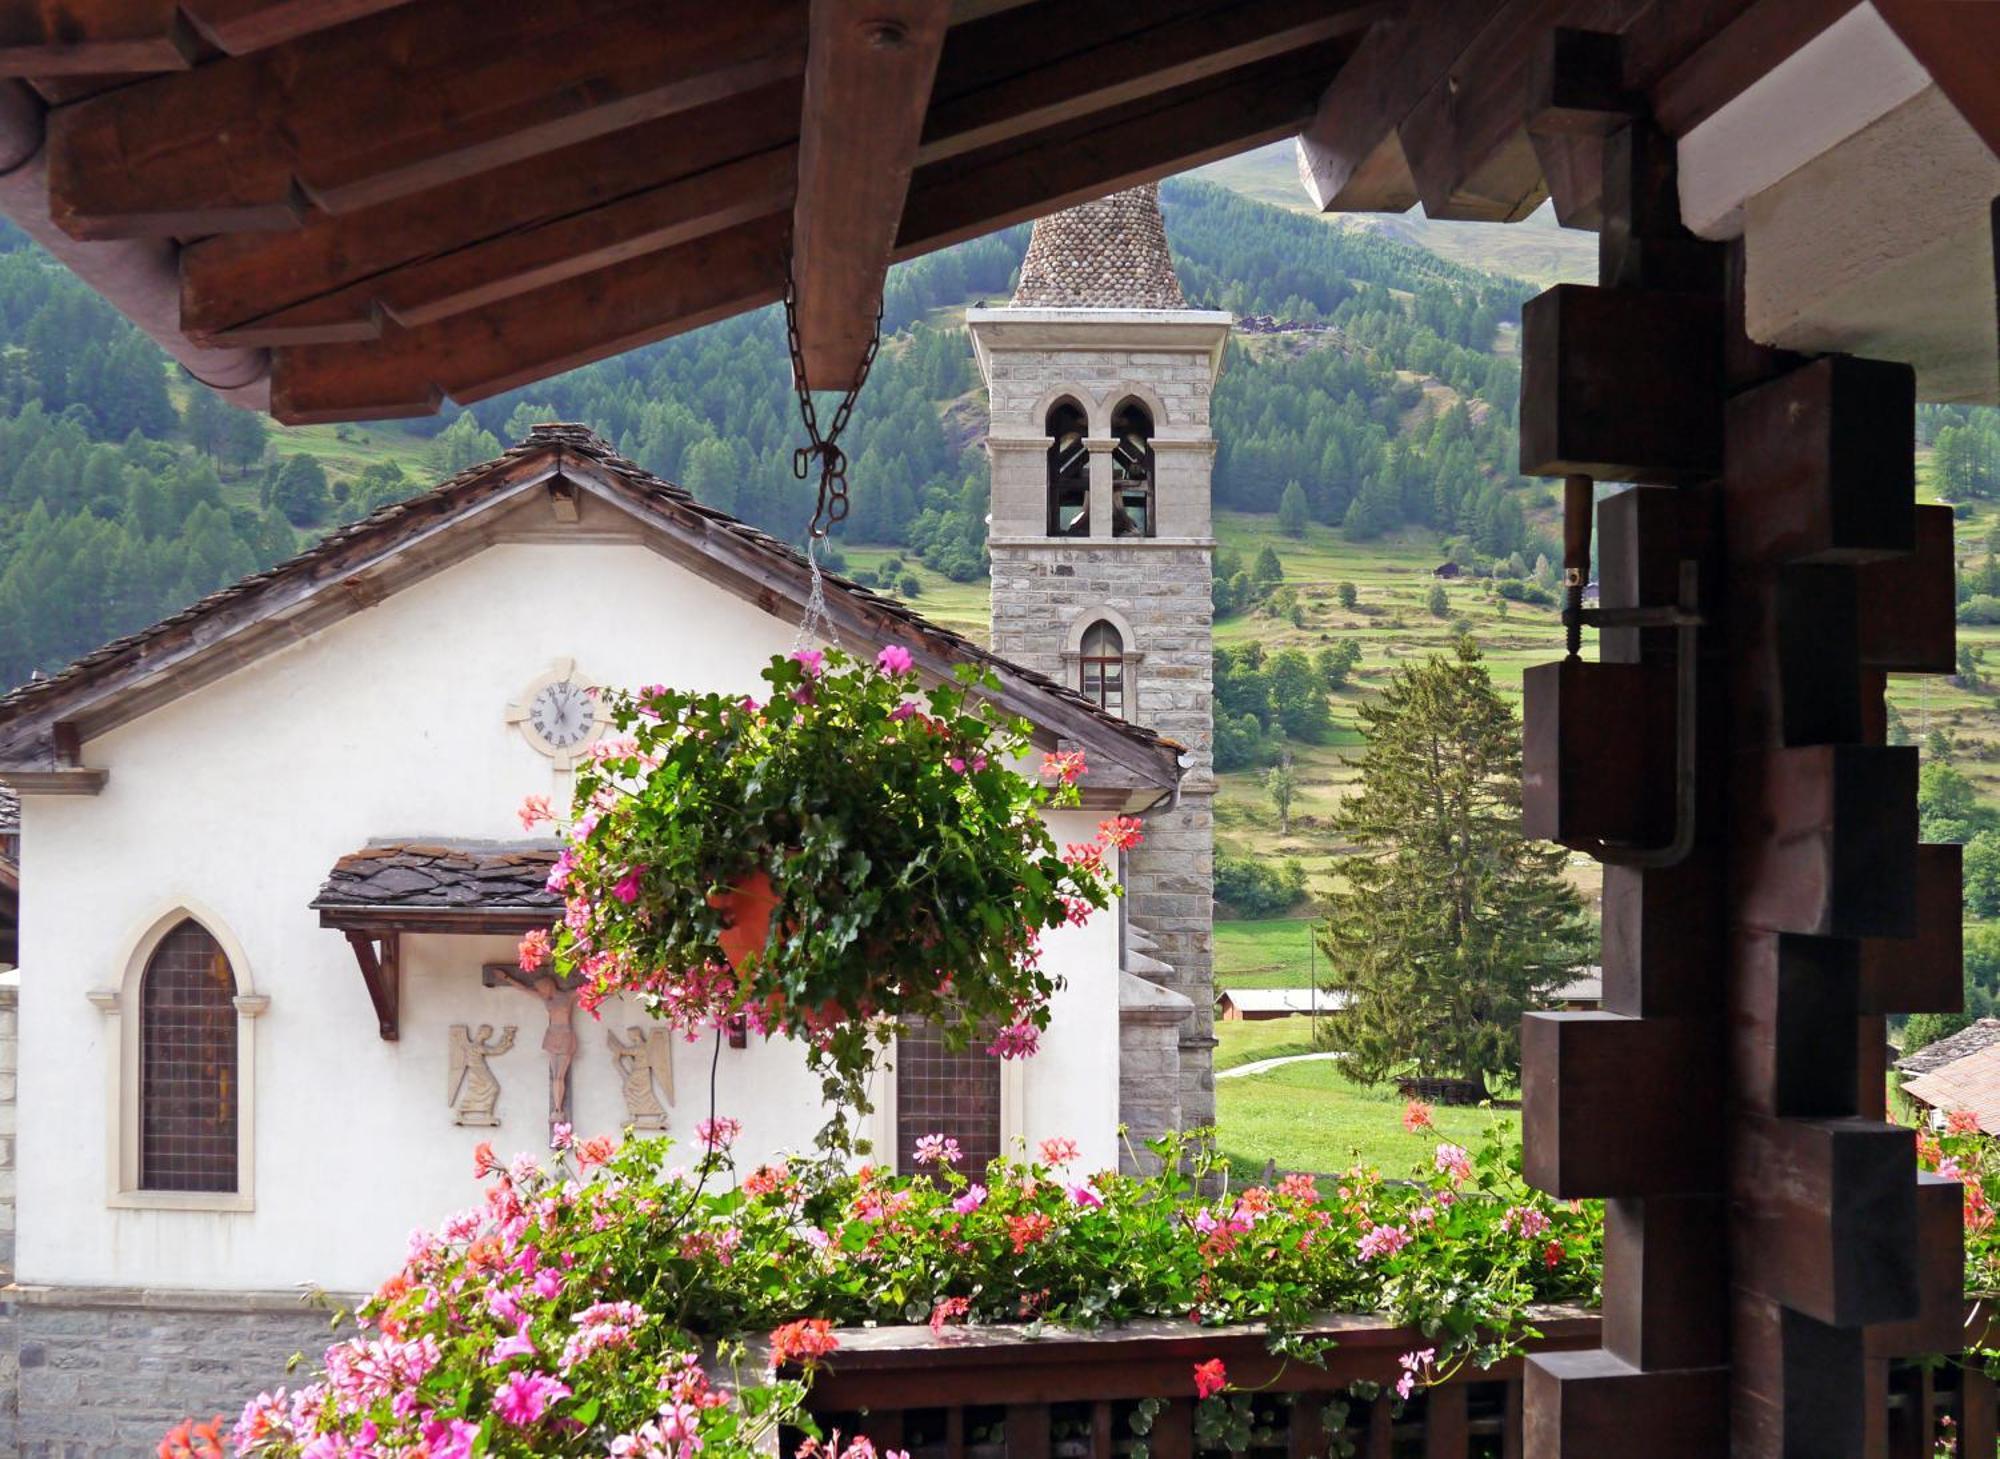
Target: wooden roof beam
[240, 26]
[409, 99]
[513, 341]
[869, 70]
[93, 37]
[1000, 79]
[416, 260]
[1142, 141]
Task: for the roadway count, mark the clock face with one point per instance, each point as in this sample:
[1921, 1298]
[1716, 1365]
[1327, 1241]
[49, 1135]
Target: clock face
[562, 714]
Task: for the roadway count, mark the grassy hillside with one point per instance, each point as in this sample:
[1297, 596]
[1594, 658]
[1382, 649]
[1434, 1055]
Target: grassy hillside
[1536, 250]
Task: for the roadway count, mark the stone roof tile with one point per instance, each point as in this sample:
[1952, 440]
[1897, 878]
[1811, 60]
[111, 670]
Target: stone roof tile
[1107, 254]
[487, 875]
[1969, 1040]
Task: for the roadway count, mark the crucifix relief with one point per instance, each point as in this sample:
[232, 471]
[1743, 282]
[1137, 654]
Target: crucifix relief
[558, 1000]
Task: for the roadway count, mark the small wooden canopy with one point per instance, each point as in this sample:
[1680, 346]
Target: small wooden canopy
[408, 200]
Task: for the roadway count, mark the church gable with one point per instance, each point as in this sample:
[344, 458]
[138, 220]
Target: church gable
[562, 484]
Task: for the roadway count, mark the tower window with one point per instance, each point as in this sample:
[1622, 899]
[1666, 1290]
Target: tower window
[1101, 667]
[1069, 471]
[187, 1065]
[1132, 512]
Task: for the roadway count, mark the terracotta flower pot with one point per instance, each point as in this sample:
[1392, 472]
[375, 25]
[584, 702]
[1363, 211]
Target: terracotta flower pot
[747, 908]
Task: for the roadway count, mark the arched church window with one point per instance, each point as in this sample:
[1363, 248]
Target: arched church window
[1101, 667]
[1132, 512]
[1069, 471]
[188, 1085]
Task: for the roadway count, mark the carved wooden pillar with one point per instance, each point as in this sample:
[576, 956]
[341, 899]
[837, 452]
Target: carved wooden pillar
[1763, 1224]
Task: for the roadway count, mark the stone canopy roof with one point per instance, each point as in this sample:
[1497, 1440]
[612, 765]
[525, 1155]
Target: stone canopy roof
[10, 812]
[1981, 1035]
[1108, 254]
[453, 876]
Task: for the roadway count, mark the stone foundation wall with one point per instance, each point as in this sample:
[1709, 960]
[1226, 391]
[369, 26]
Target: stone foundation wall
[103, 1373]
[1170, 892]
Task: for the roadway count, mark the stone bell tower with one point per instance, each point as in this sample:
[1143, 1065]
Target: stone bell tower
[1100, 376]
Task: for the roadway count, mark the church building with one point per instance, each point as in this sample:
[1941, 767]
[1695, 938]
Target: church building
[271, 879]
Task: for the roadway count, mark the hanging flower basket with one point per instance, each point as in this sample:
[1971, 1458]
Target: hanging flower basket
[854, 852]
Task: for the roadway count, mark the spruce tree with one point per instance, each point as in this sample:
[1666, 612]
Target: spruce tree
[1447, 923]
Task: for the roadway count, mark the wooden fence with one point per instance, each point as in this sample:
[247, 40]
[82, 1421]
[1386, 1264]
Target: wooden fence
[1128, 1393]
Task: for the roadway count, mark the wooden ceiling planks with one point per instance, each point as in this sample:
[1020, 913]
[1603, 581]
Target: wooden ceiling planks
[1435, 107]
[241, 26]
[1000, 79]
[409, 99]
[521, 339]
[91, 37]
[869, 71]
[412, 199]
[966, 196]
[417, 259]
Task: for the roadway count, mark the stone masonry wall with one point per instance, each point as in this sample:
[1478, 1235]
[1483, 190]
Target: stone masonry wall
[1163, 592]
[103, 1374]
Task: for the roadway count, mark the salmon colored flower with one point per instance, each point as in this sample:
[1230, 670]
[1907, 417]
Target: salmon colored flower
[1210, 1378]
[1416, 1116]
[803, 1342]
[534, 950]
[1123, 832]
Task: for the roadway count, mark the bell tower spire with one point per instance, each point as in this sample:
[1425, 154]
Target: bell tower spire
[1100, 376]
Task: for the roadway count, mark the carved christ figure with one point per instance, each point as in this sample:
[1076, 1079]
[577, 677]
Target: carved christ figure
[647, 1058]
[560, 1042]
[472, 1090]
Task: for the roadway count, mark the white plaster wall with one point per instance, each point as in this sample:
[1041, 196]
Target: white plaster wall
[241, 795]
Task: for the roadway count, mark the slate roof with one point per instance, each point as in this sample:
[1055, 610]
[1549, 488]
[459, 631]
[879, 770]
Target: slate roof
[1108, 254]
[151, 650]
[1969, 1084]
[1970, 1040]
[10, 812]
[456, 875]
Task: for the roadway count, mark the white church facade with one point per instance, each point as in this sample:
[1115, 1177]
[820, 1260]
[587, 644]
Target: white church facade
[272, 882]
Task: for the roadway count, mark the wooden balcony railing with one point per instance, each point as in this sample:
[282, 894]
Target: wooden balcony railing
[1128, 1393]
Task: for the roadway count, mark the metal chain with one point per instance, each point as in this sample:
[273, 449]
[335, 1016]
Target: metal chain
[825, 448]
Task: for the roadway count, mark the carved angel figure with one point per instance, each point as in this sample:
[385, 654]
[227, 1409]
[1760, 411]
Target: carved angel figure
[646, 1058]
[472, 1090]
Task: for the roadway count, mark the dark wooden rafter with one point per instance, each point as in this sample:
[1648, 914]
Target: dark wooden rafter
[93, 43]
[409, 99]
[1139, 141]
[1439, 106]
[94, 37]
[523, 338]
[380, 960]
[1000, 79]
[517, 337]
[869, 69]
[414, 260]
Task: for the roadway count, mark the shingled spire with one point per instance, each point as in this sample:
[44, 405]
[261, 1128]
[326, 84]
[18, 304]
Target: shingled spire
[1107, 254]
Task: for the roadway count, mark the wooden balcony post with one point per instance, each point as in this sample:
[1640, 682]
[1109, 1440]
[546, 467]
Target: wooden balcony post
[1745, 983]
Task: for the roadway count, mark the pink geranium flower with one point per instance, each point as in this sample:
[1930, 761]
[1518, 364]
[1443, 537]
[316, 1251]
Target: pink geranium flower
[973, 1198]
[811, 660]
[627, 888]
[938, 1150]
[524, 1397]
[1058, 1150]
[894, 660]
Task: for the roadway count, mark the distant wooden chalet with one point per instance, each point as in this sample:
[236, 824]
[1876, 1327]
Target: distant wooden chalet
[1253, 1005]
[1958, 1075]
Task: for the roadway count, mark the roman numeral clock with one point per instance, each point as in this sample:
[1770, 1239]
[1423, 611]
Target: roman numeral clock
[559, 714]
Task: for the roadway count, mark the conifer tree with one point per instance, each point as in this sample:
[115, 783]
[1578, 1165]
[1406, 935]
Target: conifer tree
[1447, 923]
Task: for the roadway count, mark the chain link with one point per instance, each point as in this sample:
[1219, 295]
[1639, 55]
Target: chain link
[831, 508]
